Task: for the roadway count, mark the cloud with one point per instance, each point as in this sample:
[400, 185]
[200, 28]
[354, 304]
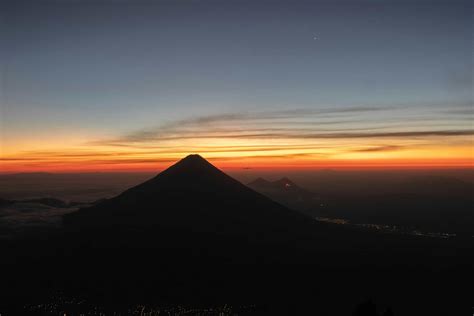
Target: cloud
[212, 122]
[379, 148]
[289, 134]
[327, 123]
[293, 134]
[425, 133]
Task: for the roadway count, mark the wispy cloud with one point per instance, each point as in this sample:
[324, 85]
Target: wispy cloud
[328, 123]
[301, 134]
[239, 121]
[288, 134]
[378, 149]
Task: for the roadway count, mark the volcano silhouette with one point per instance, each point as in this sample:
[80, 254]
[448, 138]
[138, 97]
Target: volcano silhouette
[192, 196]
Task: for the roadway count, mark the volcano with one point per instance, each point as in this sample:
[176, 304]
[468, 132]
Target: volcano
[290, 194]
[193, 236]
[192, 196]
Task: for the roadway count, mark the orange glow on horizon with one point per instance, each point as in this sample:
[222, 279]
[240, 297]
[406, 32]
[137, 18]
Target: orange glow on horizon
[238, 164]
[242, 154]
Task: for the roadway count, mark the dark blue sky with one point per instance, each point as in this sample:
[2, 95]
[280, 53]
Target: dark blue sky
[105, 68]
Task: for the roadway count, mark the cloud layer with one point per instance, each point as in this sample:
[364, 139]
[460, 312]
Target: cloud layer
[357, 133]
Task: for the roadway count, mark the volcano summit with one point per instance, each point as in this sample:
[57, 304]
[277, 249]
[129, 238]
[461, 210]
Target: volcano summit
[192, 196]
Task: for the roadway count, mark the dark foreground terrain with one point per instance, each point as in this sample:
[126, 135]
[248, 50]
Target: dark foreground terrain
[195, 238]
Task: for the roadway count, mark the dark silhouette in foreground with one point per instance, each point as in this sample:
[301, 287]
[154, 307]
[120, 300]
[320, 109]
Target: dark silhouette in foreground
[369, 308]
[194, 236]
[196, 196]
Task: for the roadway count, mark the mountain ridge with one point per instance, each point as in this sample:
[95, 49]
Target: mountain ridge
[195, 196]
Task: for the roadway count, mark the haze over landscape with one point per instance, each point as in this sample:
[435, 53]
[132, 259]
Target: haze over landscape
[221, 158]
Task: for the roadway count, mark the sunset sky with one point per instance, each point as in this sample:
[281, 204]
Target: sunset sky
[134, 85]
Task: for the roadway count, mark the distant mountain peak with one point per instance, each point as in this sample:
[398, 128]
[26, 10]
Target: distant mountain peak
[285, 182]
[191, 194]
[262, 183]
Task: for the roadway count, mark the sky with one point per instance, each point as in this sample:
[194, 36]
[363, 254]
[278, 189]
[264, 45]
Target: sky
[136, 85]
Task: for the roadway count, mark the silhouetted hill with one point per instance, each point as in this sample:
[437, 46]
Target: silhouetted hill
[193, 235]
[285, 183]
[194, 195]
[288, 193]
